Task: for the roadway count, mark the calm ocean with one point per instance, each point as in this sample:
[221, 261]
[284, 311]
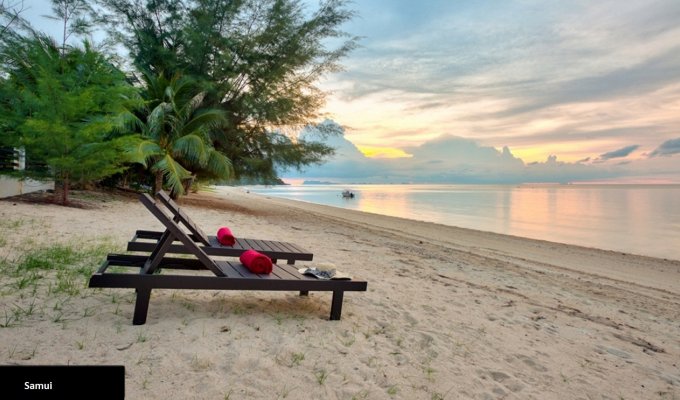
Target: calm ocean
[640, 219]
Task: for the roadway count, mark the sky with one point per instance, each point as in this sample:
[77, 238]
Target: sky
[504, 91]
[592, 87]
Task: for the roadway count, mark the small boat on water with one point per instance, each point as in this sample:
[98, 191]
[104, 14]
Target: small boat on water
[347, 194]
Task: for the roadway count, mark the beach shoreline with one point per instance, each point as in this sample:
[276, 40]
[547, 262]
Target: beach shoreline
[449, 312]
[492, 242]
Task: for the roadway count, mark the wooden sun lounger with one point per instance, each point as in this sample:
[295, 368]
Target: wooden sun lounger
[147, 241]
[227, 275]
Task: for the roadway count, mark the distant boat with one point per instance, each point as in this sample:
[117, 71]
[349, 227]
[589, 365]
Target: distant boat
[347, 194]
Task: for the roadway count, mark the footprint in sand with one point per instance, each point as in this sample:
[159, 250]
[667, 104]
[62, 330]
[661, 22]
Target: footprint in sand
[503, 379]
[530, 362]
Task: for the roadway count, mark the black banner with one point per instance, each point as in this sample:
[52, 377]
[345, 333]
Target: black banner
[28, 382]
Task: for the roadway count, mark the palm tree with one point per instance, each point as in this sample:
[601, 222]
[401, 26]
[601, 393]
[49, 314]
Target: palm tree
[175, 131]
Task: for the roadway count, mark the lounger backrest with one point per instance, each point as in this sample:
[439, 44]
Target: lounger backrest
[173, 231]
[182, 217]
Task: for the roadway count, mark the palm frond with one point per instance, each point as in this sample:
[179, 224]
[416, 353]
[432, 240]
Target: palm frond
[192, 148]
[192, 105]
[205, 119]
[173, 173]
[219, 165]
[157, 119]
[141, 151]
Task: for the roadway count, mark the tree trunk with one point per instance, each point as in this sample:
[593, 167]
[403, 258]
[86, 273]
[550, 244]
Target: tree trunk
[61, 190]
[187, 184]
[64, 195]
[158, 184]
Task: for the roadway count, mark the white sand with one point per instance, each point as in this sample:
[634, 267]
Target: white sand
[449, 313]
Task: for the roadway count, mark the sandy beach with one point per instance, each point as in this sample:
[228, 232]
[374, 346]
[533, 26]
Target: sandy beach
[449, 313]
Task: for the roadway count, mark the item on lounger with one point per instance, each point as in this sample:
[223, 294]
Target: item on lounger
[225, 237]
[256, 262]
[325, 272]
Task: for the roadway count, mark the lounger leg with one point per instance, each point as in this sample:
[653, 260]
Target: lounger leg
[302, 292]
[336, 305]
[141, 306]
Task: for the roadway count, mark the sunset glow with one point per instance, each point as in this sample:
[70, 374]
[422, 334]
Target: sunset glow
[566, 82]
[383, 152]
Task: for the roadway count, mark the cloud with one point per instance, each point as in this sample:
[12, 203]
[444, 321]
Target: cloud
[520, 73]
[620, 153]
[348, 162]
[667, 148]
[447, 159]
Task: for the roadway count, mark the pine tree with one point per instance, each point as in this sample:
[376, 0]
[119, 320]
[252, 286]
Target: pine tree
[67, 108]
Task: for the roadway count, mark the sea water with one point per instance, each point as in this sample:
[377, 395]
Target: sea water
[639, 219]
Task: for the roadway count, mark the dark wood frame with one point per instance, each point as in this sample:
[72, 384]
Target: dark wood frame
[227, 275]
[147, 241]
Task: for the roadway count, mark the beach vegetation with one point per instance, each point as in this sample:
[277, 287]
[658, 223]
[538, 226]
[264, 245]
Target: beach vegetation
[199, 364]
[88, 312]
[141, 337]
[8, 319]
[66, 106]
[258, 61]
[285, 392]
[219, 91]
[363, 394]
[175, 128]
[296, 359]
[58, 317]
[321, 376]
[62, 267]
[10, 16]
[11, 352]
[429, 373]
[74, 16]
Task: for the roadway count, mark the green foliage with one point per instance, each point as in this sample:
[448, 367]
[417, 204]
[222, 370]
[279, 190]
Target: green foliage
[46, 258]
[258, 60]
[72, 16]
[175, 128]
[10, 16]
[65, 109]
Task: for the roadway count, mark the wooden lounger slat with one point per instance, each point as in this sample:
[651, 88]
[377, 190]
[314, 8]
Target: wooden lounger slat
[264, 245]
[253, 244]
[188, 222]
[229, 270]
[289, 247]
[277, 246]
[238, 245]
[295, 247]
[288, 272]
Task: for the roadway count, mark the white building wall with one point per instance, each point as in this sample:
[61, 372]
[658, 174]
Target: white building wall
[10, 186]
